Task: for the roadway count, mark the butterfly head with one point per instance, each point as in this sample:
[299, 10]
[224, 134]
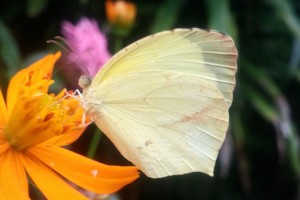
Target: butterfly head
[84, 81]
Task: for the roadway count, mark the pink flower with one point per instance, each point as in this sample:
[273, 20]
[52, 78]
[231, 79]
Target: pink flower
[88, 45]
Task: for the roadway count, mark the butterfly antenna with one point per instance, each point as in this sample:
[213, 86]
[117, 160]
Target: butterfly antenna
[65, 46]
[63, 43]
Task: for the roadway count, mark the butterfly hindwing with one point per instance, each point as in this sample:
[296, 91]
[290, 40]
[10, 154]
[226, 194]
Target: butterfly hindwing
[164, 123]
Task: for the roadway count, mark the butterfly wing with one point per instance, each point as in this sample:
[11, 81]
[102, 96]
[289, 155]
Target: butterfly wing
[163, 101]
[209, 55]
[163, 122]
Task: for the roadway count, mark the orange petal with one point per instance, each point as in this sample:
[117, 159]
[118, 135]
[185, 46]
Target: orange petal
[13, 181]
[3, 145]
[66, 139]
[3, 111]
[3, 119]
[48, 181]
[44, 65]
[84, 172]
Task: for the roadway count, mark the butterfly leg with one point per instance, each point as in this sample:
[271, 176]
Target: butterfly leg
[77, 92]
[85, 113]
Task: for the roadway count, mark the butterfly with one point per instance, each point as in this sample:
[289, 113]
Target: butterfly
[163, 100]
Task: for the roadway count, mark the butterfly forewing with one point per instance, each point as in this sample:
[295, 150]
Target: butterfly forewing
[207, 54]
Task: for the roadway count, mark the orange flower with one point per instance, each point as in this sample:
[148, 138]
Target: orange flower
[33, 127]
[120, 13]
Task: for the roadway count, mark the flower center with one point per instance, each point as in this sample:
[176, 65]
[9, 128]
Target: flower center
[41, 117]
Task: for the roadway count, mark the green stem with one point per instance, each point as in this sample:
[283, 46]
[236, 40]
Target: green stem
[97, 134]
[118, 44]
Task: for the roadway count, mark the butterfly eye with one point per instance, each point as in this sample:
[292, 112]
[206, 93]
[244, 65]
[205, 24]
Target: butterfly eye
[84, 81]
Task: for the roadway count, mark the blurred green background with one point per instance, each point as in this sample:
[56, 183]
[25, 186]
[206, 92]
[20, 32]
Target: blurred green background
[260, 158]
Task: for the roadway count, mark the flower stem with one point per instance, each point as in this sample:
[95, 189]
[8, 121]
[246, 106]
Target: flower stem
[118, 44]
[97, 134]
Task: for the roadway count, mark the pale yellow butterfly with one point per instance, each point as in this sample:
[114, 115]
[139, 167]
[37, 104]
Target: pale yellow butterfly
[163, 100]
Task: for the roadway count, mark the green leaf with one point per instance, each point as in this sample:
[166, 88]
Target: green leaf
[220, 17]
[166, 15]
[286, 12]
[293, 151]
[264, 81]
[239, 132]
[35, 7]
[264, 107]
[9, 50]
